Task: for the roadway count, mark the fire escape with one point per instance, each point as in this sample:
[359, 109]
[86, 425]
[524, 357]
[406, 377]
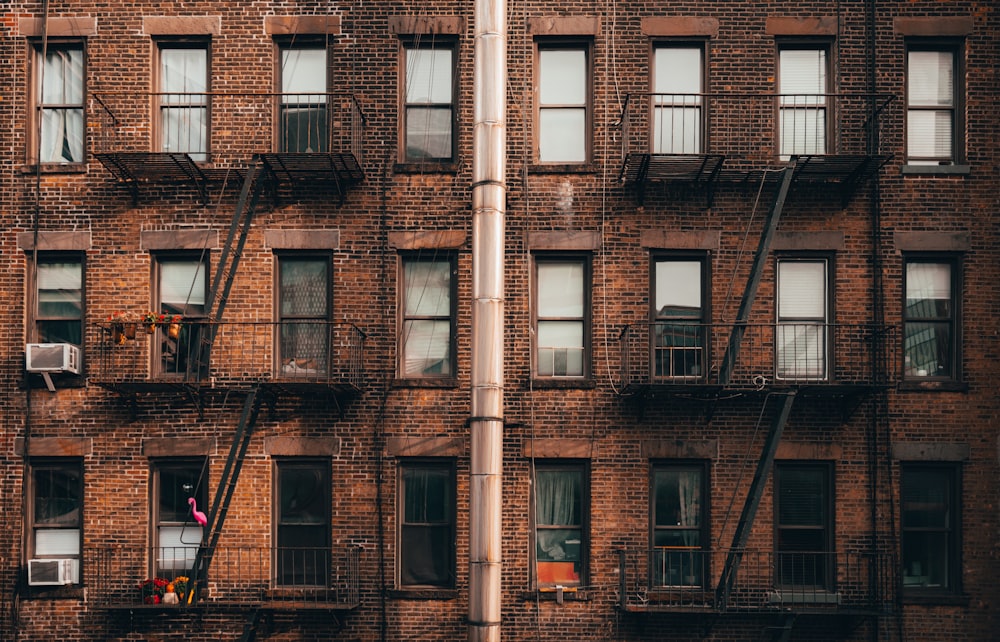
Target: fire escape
[711, 363]
[214, 358]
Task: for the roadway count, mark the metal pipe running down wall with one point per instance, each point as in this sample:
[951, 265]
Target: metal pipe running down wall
[489, 195]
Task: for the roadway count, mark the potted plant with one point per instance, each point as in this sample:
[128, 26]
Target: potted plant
[153, 589]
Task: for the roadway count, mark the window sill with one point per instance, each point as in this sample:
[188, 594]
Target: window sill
[562, 384]
[915, 598]
[430, 167]
[56, 593]
[449, 382]
[936, 170]
[423, 594]
[934, 385]
[562, 168]
[55, 168]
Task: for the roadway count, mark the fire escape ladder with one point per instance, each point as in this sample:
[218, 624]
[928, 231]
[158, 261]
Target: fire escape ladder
[229, 260]
[756, 271]
[749, 512]
[227, 485]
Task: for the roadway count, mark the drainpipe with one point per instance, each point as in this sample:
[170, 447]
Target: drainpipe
[489, 193]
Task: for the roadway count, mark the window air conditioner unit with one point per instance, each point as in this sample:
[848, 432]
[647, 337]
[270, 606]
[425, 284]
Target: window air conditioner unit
[53, 572]
[52, 357]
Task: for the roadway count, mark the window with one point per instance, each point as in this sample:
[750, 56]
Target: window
[932, 111]
[59, 91]
[801, 333]
[930, 527]
[560, 512]
[930, 315]
[678, 87]
[181, 285]
[428, 110]
[679, 523]
[303, 117]
[427, 524]
[802, 101]
[177, 535]
[679, 317]
[303, 314]
[428, 324]
[303, 523]
[183, 100]
[56, 514]
[59, 300]
[562, 311]
[803, 524]
[563, 102]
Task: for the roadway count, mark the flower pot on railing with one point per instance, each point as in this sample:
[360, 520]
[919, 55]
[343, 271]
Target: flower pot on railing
[118, 334]
[174, 330]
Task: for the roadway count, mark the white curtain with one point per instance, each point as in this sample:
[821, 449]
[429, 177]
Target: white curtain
[62, 107]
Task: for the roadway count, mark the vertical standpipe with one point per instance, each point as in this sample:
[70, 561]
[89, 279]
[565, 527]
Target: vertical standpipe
[489, 195]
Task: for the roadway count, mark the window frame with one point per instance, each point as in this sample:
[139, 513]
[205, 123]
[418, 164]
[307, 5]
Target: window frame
[280, 134]
[586, 320]
[699, 101]
[955, 264]
[825, 103]
[568, 44]
[36, 332]
[702, 321]
[38, 105]
[451, 258]
[431, 42]
[66, 465]
[160, 134]
[827, 528]
[956, 47]
[284, 363]
[199, 491]
[697, 560]
[582, 467]
[825, 323]
[323, 467]
[439, 465]
[192, 325]
[953, 531]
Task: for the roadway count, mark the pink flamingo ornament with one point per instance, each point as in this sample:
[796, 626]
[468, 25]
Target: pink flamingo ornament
[197, 514]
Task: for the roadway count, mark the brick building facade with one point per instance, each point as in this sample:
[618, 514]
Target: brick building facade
[750, 276]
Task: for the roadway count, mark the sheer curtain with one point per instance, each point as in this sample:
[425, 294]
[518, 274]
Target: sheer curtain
[62, 107]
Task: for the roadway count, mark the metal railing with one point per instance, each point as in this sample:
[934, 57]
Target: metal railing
[327, 352]
[227, 128]
[674, 353]
[130, 577]
[751, 125]
[686, 578]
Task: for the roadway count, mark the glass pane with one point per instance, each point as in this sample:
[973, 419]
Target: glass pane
[185, 130]
[803, 131]
[304, 347]
[303, 71]
[802, 498]
[427, 495]
[60, 332]
[63, 77]
[428, 133]
[928, 291]
[560, 348]
[427, 348]
[57, 542]
[927, 499]
[559, 497]
[929, 134]
[678, 289]
[428, 75]
[676, 129]
[803, 71]
[801, 351]
[60, 289]
[304, 287]
[678, 70]
[178, 483]
[925, 559]
[563, 78]
[560, 289]
[178, 546]
[304, 124]
[304, 495]
[303, 556]
[62, 135]
[677, 502]
[182, 287]
[425, 555]
[184, 71]
[927, 349]
[802, 292]
[57, 495]
[562, 135]
[428, 288]
[930, 79]
[559, 544]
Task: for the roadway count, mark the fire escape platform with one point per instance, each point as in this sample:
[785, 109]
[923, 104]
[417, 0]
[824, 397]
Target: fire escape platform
[342, 168]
